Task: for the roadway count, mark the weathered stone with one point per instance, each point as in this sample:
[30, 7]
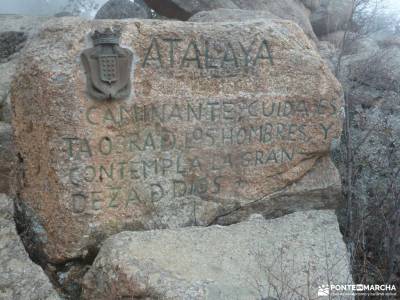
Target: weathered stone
[231, 15]
[13, 31]
[378, 69]
[20, 278]
[26, 24]
[206, 131]
[124, 9]
[335, 38]
[62, 14]
[183, 10]
[11, 42]
[330, 53]
[319, 188]
[285, 9]
[257, 259]
[370, 76]
[7, 71]
[6, 156]
[331, 16]
[240, 15]
[311, 4]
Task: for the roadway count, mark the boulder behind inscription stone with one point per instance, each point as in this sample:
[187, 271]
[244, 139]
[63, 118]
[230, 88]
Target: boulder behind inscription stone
[11, 42]
[223, 120]
[331, 16]
[292, 13]
[285, 258]
[124, 9]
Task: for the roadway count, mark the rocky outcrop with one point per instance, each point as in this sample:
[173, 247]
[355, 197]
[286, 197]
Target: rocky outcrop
[183, 10]
[100, 167]
[220, 10]
[267, 259]
[370, 75]
[6, 156]
[20, 278]
[292, 13]
[124, 9]
[331, 16]
[14, 31]
[311, 4]
[10, 43]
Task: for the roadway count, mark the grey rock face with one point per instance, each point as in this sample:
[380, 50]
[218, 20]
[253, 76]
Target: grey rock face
[6, 155]
[11, 42]
[7, 71]
[285, 9]
[124, 9]
[370, 76]
[14, 30]
[20, 278]
[293, 12]
[183, 10]
[330, 53]
[228, 182]
[331, 16]
[312, 4]
[250, 260]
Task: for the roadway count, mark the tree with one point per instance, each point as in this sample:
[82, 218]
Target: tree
[81, 7]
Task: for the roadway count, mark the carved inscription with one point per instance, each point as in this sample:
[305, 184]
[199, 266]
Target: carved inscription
[209, 57]
[151, 151]
[264, 134]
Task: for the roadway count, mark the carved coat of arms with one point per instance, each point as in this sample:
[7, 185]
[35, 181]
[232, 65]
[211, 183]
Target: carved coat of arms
[107, 67]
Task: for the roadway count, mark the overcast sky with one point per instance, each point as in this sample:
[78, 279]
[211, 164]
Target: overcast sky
[34, 7]
[49, 7]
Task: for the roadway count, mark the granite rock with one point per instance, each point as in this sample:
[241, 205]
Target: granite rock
[293, 13]
[219, 118]
[6, 157]
[124, 9]
[331, 16]
[20, 278]
[256, 259]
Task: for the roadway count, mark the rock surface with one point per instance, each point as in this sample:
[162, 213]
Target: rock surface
[240, 15]
[14, 30]
[331, 16]
[124, 9]
[285, 258]
[311, 4]
[6, 157]
[10, 43]
[20, 278]
[370, 75]
[226, 129]
[285, 9]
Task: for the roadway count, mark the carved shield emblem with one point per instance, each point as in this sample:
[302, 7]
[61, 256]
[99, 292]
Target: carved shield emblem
[107, 67]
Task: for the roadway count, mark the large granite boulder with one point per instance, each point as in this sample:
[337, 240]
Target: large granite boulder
[311, 4]
[240, 15]
[6, 156]
[14, 31]
[124, 9]
[20, 278]
[331, 16]
[183, 10]
[285, 9]
[285, 258]
[370, 75]
[10, 43]
[219, 124]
